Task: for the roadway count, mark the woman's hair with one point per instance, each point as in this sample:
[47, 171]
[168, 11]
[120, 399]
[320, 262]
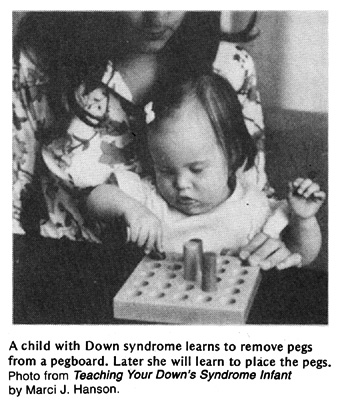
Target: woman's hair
[69, 48]
[74, 47]
[220, 102]
[193, 47]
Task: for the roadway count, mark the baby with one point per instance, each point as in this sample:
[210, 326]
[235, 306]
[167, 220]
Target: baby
[200, 149]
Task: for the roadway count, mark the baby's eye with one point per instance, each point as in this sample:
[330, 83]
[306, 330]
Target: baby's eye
[164, 171]
[196, 170]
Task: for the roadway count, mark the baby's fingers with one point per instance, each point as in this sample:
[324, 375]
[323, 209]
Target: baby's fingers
[151, 242]
[160, 238]
[297, 183]
[133, 233]
[308, 188]
[129, 234]
[320, 195]
[155, 240]
[313, 188]
[302, 185]
[143, 236]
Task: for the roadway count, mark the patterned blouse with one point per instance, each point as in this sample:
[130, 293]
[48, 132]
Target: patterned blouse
[102, 139]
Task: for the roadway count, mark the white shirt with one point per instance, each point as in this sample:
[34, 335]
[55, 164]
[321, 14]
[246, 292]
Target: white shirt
[230, 225]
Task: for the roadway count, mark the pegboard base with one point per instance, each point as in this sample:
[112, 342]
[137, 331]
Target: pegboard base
[157, 292]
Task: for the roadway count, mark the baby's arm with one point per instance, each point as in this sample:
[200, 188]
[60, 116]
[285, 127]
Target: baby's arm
[107, 202]
[303, 234]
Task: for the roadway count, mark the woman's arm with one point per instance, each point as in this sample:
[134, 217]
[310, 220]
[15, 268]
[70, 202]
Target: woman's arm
[30, 116]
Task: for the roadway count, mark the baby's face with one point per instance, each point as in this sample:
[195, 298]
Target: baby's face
[191, 169]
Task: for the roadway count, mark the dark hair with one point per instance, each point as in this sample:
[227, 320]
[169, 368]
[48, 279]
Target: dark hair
[224, 111]
[74, 47]
[69, 48]
[193, 48]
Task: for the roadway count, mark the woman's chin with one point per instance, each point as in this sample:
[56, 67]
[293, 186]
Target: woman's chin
[152, 47]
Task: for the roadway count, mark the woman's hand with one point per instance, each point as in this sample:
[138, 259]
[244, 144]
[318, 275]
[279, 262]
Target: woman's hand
[144, 229]
[268, 253]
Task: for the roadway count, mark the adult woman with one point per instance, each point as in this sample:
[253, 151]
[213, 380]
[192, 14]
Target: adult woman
[62, 67]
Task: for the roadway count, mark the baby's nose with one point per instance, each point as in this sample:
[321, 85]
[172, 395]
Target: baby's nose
[182, 182]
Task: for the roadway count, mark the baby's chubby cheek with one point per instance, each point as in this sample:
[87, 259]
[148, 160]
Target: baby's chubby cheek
[166, 190]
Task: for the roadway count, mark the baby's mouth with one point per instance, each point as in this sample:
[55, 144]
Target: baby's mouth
[186, 201]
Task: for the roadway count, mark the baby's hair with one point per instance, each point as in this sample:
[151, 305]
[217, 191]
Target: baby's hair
[221, 104]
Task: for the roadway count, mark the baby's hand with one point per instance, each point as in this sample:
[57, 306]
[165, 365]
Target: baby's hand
[305, 197]
[145, 229]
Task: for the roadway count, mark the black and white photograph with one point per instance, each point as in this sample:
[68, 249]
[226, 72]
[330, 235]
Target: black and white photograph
[170, 195]
[170, 167]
